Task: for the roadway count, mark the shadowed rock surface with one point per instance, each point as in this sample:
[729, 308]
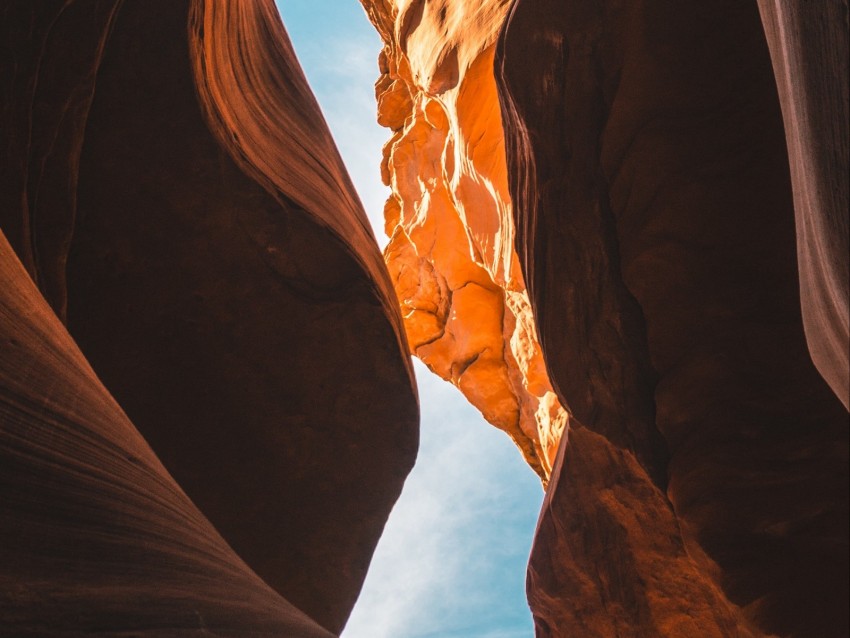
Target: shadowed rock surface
[95, 537]
[705, 491]
[173, 185]
[809, 48]
[171, 188]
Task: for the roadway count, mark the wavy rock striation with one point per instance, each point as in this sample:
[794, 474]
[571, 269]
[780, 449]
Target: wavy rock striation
[704, 488]
[95, 537]
[703, 491]
[809, 48]
[449, 217]
[175, 193]
[172, 192]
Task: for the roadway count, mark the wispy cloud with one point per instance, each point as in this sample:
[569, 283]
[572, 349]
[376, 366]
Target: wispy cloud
[452, 558]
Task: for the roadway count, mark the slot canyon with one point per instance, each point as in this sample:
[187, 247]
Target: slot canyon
[620, 229]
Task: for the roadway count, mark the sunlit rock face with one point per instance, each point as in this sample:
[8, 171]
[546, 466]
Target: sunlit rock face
[451, 255]
[172, 189]
[704, 490]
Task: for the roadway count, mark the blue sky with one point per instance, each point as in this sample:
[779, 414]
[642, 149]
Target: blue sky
[451, 562]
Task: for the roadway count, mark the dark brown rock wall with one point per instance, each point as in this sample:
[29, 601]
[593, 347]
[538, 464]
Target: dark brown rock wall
[656, 231]
[222, 277]
[48, 85]
[95, 536]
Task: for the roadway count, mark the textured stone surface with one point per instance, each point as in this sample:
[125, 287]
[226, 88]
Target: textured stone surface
[706, 493]
[449, 217]
[608, 558]
[95, 536]
[809, 48]
[177, 190]
[48, 90]
[171, 188]
[704, 489]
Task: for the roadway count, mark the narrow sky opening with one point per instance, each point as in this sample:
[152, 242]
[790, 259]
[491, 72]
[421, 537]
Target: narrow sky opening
[451, 562]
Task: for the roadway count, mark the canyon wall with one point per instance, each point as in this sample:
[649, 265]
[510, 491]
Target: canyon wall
[451, 254]
[637, 211]
[171, 187]
[809, 48]
[96, 538]
[652, 200]
[703, 487]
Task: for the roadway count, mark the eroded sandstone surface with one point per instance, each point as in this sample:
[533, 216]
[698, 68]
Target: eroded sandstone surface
[171, 187]
[96, 538]
[635, 210]
[703, 488]
[649, 176]
[451, 253]
[809, 47]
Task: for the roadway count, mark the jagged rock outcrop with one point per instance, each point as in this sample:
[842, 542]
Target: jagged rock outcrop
[172, 188]
[449, 217]
[704, 487]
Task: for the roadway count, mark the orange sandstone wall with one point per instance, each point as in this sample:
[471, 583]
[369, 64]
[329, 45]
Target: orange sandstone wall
[451, 256]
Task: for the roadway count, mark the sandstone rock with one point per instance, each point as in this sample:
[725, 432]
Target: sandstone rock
[704, 487]
[95, 536]
[171, 178]
[49, 90]
[809, 48]
[170, 186]
[451, 253]
[706, 493]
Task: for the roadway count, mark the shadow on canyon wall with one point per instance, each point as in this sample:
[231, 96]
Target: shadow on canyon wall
[207, 406]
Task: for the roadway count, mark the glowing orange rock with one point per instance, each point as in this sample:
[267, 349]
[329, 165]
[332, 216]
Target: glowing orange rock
[451, 256]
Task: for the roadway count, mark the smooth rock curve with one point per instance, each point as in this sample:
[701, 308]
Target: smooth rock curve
[174, 191]
[705, 490]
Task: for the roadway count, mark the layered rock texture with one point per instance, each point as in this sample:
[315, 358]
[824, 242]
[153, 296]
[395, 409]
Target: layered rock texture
[652, 201]
[451, 253]
[96, 538]
[171, 188]
[703, 490]
[809, 47]
[635, 210]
